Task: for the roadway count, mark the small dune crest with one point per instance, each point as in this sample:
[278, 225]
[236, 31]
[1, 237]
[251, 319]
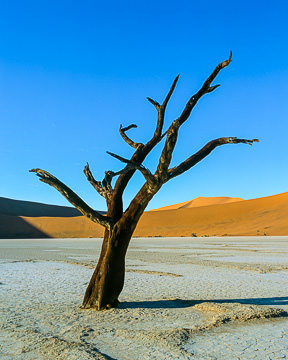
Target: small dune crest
[201, 201]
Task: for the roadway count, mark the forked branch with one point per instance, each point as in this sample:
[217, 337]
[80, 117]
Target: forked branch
[73, 198]
[133, 165]
[103, 191]
[142, 151]
[161, 109]
[205, 151]
[172, 133]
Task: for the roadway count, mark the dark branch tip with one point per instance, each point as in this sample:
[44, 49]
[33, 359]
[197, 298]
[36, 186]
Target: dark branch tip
[175, 81]
[235, 140]
[226, 62]
[212, 88]
[127, 127]
[153, 102]
[40, 173]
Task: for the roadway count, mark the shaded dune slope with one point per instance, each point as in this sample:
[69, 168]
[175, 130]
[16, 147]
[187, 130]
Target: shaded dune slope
[28, 208]
[26, 219]
[15, 227]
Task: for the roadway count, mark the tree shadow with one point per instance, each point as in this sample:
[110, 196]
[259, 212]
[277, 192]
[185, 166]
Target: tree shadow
[182, 303]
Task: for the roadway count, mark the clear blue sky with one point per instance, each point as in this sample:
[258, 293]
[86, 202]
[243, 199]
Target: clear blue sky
[71, 72]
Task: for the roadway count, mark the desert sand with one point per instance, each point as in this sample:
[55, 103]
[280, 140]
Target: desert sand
[220, 216]
[184, 298]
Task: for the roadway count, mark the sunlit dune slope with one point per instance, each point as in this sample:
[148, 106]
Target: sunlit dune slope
[263, 216]
[200, 201]
[268, 215]
[76, 227]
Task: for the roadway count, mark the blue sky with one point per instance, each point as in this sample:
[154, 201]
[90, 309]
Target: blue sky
[71, 72]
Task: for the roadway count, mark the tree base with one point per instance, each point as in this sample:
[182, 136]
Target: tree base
[94, 307]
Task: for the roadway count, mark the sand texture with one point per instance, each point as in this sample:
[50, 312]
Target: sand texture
[192, 298]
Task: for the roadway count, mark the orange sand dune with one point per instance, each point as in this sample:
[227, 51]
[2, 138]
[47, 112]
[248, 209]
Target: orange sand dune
[200, 201]
[263, 216]
[76, 227]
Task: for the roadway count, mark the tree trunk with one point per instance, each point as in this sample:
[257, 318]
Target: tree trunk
[107, 280]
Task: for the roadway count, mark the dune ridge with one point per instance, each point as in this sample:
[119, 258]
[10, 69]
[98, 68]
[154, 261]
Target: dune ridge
[200, 201]
[233, 217]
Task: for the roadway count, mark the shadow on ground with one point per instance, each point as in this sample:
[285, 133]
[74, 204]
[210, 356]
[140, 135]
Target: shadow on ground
[180, 303]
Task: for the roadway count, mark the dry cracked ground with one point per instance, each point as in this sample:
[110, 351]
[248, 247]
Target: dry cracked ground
[184, 298]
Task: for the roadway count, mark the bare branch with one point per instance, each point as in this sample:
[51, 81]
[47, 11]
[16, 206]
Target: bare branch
[127, 139]
[155, 103]
[206, 88]
[166, 155]
[129, 127]
[161, 109]
[96, 184]
[106, 183]
[172, 132]
[170, 92]
[163, 135]
[141, 153]
[212, 88]
[133, 165]
[73, 198]
[104, 188]
[201, 154]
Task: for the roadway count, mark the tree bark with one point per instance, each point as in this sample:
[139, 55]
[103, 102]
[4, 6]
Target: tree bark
[107, 280]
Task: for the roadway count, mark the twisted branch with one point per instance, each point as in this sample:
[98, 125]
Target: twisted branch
[127, 139]
[96, 184]
[73, 198]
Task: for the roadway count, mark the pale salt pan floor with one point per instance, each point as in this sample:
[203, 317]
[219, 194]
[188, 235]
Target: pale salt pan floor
[201, 314]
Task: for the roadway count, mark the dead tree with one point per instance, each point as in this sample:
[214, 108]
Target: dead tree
[107, 281]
